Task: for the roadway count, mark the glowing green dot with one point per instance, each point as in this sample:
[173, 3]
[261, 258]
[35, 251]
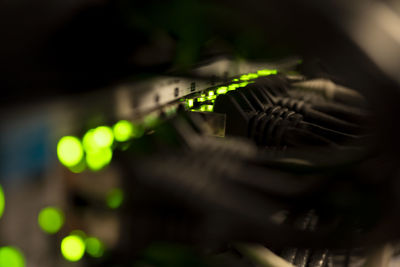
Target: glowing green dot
[72, 247]
[211, 93]
[222, 90]
[2, 201]
[115, 198]
[51, 219]
[11, 257]
[94, 247]
[235, 80]
[97, 159]
[69, 151]
[209, 108]
[243, 84]
[212, 97]
[190, 103]
[103, 136]
[123, 130]
[201, 99]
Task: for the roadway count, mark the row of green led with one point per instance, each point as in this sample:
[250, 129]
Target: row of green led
[211, 95]
[96, 144]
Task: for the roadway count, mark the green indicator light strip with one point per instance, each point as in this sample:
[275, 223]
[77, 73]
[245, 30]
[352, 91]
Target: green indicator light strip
[201, 99]
[267, 72]
[190, 103]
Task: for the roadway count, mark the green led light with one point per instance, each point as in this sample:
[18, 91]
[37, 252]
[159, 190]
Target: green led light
[69, 151]
[98, 159]
[103, 136]
[266, 72]
[243, 84]
[252, 75]
[94, 247]
[209, 108]
[11, 257]
[211, 93]
[190, 103]
[235, 80]
[2, 201]
[211, 97]
[123, 130]
[201, 99]
[115, 198]
[244, 77]
[51, 219]
[72, 247]
[222, 90]
[233, 87]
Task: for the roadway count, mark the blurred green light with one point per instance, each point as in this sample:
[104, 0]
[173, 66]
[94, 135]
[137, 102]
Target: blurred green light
[266, 72]
[212, 97]
[222, 90]
[51, 219]
[103, 136]
[201, 99]
[2, 201]
[88, 141]
[72, 247]
[233, 87]
[94, 247]
[235, 80]
[115, 198]
[123, 130]
[243, 84]
[69, 151]
[190, 103]
[11, 257]
[211, 93]
[98, 159]
[252, 75]
[244, 77]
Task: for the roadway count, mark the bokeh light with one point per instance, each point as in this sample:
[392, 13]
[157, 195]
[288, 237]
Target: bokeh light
[115, 197]
[123, 130]
[2, 201]
[51, 219]
[94, 247]
[103, 136]
[69, 151]
[97, 159]
[11, 257]
[72, 248]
